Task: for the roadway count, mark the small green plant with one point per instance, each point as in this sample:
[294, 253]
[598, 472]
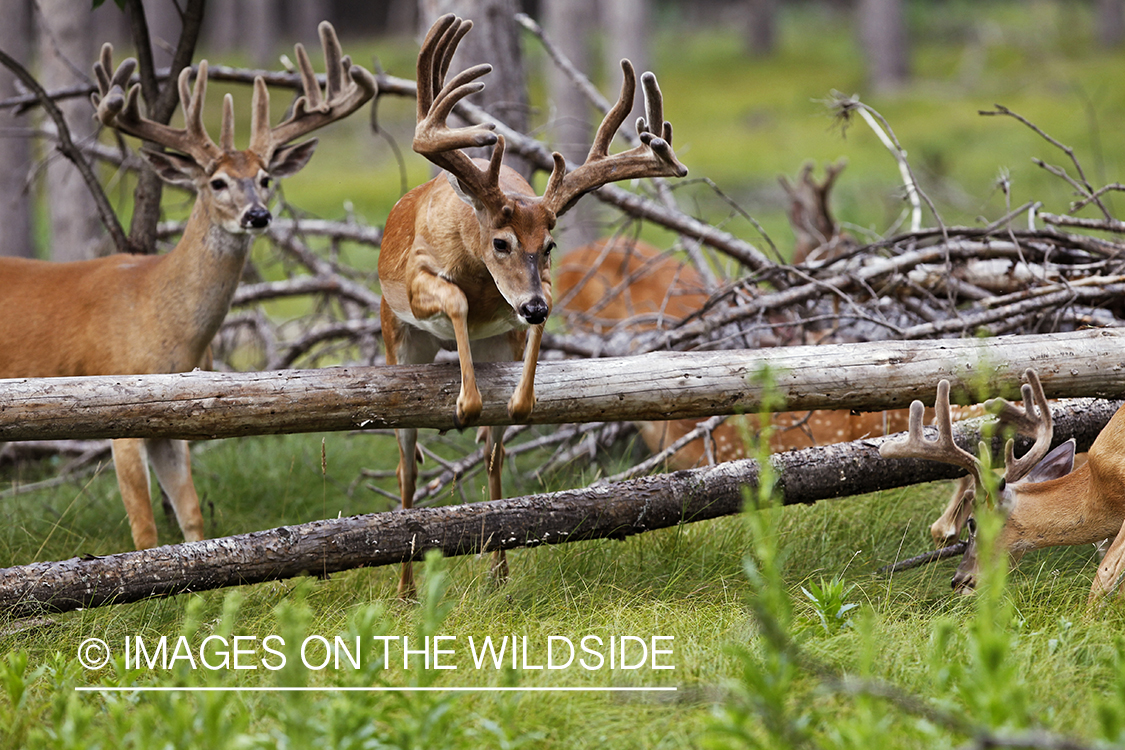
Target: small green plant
[828, 602]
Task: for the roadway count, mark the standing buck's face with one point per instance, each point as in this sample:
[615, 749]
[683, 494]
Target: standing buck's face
[236, 185]
[517, 246]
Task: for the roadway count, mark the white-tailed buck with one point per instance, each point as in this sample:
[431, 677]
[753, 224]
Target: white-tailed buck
[1045, 501]
[465, 258]
[132, 314]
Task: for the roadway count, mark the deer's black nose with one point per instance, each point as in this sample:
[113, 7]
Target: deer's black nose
[534, 311]
[257, 217]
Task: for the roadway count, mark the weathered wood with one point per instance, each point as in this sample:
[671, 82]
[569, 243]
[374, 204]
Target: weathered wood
[603, 511]
[664, 385]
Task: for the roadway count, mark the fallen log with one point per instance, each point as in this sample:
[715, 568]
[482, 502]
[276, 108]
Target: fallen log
[612, 511]
[659, 385]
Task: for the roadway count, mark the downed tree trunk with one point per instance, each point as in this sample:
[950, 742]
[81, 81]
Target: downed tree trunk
[602, 511]
[659, 385]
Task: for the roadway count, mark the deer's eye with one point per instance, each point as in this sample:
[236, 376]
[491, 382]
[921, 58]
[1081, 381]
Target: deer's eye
[547, 250]
[265, 182]
[501, 246]
[218, 184]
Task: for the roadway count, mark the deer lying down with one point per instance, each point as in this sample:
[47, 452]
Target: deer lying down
[1046, 502]
[631, 285]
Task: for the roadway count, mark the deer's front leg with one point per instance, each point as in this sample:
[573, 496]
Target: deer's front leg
[130, 459]
[523, 400]
[1110, 570]
[430, 296]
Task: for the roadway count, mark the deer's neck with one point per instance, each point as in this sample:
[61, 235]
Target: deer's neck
[1074, 509]
[196, 281]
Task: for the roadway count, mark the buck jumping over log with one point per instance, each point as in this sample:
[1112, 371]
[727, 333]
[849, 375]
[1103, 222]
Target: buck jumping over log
[138, 314]
[1046, 502]
[465, 258]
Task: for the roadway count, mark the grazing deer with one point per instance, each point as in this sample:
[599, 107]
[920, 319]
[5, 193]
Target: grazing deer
[630, 283]
[465, 258]
[1046, 502]
[130, 314]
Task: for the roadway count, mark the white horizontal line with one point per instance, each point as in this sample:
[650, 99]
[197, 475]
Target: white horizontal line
[221, 689]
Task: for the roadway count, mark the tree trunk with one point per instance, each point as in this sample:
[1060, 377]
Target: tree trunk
[495, 39]
[629, 33]
[663, 385]
[599, 512]
[569, 24]
[761, 27]
[882, 33]
[304, 17]
[66, 49]
[261, 31]
[1110, 22]
[222, 25]
[15, 152]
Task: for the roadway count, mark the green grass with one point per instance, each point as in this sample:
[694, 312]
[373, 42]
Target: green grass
[1000, 661]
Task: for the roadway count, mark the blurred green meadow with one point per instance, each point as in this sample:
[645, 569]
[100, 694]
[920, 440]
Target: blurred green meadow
[1022, 656]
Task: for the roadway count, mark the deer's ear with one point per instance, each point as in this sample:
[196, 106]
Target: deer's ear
[174, 168]
[1057, 463]
[289, 160]
[471, 200]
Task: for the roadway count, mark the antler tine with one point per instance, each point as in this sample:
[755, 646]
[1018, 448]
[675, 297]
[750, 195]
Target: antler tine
[110, 97]
[653, 158]
[119, 109]
[312, 110]
[613, 119]
[1026, 422]
[192, 103]
[226, 134]
[433, 138]
[943, 448]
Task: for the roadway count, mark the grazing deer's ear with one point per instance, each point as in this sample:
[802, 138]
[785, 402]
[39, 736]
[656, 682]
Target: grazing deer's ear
[1057, 463]
[173, 168]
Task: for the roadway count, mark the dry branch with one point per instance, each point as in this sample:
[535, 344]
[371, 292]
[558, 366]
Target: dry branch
[666, 385]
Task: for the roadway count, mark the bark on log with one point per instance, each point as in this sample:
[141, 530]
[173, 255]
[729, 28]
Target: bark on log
[661, 385]
[612, 511]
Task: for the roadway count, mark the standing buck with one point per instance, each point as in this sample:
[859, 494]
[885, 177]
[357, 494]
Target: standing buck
[132, 314]
[465, 258]
[1045, 501]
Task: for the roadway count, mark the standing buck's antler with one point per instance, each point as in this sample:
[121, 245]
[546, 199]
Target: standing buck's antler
[653, 158]
[348, 87]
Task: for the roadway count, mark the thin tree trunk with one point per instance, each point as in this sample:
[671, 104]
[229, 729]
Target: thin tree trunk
[261, 30]
[1110, 22]
[66, 49]
[761, 27]
[570, 24]
[161, 103]
[882, 32]
[628, 35]
[15, 149]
